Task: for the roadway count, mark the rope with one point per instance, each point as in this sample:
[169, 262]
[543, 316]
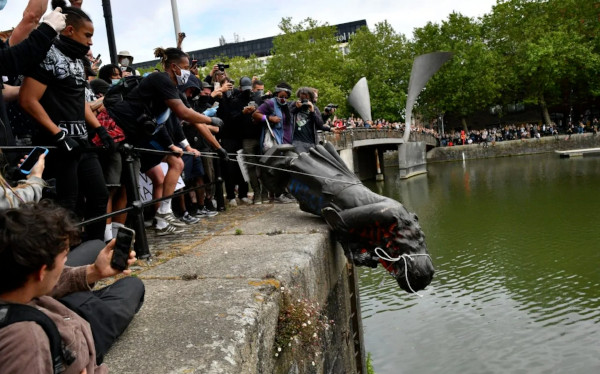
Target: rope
[386, 257]
[292, 171]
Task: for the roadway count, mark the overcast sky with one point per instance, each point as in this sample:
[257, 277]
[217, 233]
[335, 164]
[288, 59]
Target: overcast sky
[142, 25]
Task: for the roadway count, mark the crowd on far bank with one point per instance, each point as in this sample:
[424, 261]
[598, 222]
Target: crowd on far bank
[515, 132]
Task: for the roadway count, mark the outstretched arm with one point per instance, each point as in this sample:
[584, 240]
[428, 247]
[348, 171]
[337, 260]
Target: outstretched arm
[31, 18]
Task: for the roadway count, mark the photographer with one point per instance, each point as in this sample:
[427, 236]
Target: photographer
[306, 119]
[34, 243]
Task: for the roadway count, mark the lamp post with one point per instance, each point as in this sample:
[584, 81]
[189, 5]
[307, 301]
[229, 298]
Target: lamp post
[110, 32]
[175, 19]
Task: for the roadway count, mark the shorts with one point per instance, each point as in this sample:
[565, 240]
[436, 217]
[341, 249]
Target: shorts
[150, 160]
[112, 167]
[192, 167]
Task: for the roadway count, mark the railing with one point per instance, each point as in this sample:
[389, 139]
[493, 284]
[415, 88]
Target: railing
[346, 138]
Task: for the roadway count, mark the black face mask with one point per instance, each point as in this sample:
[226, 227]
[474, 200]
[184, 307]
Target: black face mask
[204, 99]
[72, 48]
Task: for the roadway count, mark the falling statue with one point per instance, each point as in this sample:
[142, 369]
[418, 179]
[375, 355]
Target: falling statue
[371, 228]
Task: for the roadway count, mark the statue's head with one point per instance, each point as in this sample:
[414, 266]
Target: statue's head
[404, 252]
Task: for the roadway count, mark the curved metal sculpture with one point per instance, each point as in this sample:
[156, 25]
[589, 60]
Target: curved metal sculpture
[360, 99]
[423, 69]
[371, 228]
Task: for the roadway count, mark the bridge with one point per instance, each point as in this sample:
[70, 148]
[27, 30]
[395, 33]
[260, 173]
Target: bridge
[359, 147]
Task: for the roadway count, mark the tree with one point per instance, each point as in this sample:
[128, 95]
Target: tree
[469, 82]
[238, 67]
[384, 58]
[551, 47]
[306, 54]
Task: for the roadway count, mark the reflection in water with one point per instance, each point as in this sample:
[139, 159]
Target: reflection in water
[517, 287]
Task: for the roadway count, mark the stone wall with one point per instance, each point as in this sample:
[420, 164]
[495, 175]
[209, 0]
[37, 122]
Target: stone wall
[505, 148]
[514, 147]
[214, 307]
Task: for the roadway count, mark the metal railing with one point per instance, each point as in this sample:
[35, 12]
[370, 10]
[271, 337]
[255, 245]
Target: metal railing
[346, 138]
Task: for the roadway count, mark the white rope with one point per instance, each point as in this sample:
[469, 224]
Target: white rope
[385, 256]
[291, 171]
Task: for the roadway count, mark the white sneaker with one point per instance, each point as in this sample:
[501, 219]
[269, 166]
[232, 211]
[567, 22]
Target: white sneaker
[168, 230]
[170, 219]
[232, 202]
[246, 201]
[282, 199]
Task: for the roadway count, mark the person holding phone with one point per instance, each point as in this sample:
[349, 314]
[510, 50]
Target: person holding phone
[34, 244]
[28, 190]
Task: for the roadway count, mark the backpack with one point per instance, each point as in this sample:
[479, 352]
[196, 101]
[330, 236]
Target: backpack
[119, 93]
[13, 313]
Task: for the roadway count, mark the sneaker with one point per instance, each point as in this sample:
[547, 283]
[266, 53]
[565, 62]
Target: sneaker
[246, 201]
[189, 219]
[170, 218]
[204, 213]
[282, 199]
[168, 230]
[232, 202]
[256, 200]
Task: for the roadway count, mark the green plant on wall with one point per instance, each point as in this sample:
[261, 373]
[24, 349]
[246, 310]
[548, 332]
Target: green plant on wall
[301, 327]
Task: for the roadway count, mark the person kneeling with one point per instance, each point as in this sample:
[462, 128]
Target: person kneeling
[34, 243]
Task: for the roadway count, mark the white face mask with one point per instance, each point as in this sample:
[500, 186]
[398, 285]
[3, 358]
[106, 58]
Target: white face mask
[115, 81]
[125, 62]
[183, 78]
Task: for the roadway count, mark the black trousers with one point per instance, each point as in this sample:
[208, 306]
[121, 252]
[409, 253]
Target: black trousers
[79, 178]
[108, 310]
[232, 175]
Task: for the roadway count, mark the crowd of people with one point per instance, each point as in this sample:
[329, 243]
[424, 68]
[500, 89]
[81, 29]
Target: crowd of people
[91, 118]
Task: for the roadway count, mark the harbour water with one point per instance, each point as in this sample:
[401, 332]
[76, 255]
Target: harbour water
[516, 245]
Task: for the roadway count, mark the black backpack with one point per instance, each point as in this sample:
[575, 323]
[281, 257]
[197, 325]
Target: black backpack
[119, 93]
[13, 313]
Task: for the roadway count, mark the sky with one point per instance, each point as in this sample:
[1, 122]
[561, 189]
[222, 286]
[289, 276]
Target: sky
[142, 25]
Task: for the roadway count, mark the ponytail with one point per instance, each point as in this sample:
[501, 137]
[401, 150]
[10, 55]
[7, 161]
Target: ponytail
[75, 16]
[169, 55]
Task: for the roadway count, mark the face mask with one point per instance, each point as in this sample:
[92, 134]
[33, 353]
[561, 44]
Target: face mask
[125, 62]
[183, 78]
[115, 81]
[2, 4]
[281, 100]
[259, 92]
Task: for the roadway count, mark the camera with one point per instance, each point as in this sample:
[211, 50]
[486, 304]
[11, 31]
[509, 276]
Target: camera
[304, 104]
[332, 106]
[148, 123]
[222, 67]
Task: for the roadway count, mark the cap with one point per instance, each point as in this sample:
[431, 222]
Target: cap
[245, 83]
[124, 54]
[205, 84]
[99, 86]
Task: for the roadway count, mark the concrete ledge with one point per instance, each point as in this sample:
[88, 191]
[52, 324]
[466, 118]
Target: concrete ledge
[223, 318]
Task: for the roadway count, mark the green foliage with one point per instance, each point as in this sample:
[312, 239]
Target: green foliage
[150, 70]
[384, 58]
[238, 67]
[468, 82]
[307, 54]
[370, 369]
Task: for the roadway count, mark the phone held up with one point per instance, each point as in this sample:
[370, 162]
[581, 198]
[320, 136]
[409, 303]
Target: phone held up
[32, 159]
[123, 245]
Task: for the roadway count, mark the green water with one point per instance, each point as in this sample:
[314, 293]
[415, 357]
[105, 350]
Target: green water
[516, 245]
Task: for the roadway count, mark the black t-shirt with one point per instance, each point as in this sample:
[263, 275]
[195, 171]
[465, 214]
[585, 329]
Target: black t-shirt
[151, 94]
[305, 126]
[64, 98]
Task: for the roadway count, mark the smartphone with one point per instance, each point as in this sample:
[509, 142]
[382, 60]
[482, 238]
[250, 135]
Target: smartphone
[98, 57]
[194, 63]
[123, 245]
[32, 159]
